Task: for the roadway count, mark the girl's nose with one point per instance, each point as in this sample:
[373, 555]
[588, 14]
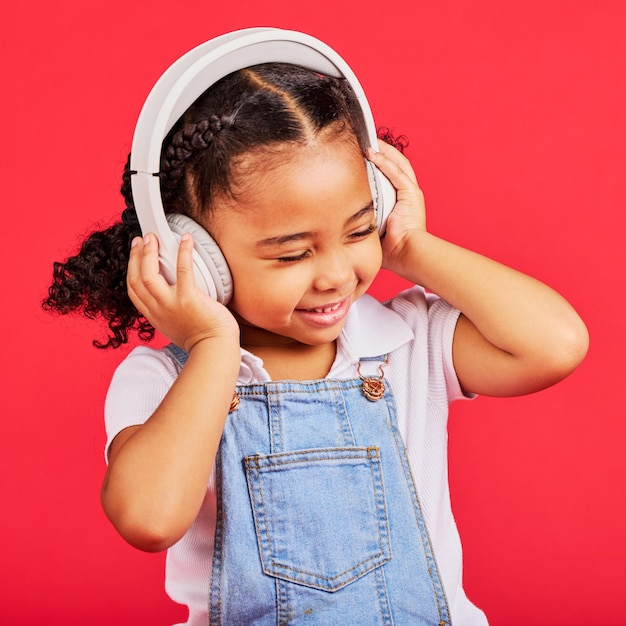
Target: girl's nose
[334, 271]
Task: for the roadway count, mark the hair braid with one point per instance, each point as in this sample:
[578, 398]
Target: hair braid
[184, 145]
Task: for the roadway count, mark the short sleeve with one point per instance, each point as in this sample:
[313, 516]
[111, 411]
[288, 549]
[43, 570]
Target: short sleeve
[138, 386]
[443, 319]
[433, 322]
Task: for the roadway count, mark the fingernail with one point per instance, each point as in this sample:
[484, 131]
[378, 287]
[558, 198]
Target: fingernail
[135, 241]
[146, 239]
[185, 237]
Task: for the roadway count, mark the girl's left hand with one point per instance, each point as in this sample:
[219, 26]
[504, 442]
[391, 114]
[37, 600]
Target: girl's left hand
[408, 217]
[515, 335]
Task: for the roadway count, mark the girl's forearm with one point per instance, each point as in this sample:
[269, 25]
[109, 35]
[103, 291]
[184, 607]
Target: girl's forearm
[158, 474]
[518, 315]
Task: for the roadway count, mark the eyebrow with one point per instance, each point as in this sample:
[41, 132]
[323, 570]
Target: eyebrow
[283, 239]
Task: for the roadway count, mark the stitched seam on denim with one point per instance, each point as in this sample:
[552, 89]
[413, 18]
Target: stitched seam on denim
[431, 563]
[215, 604]
[310, 388]
[377, 480]
[284, 607]
[383, 597]
[252, 463]
[269, 466]
[316, 454]
[433, 569]
[313, 585]
[379, 485]
[264, 531]
[275, 423]
[344, 420]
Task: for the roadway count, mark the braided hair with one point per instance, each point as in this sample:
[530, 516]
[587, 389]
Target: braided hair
[253, 110]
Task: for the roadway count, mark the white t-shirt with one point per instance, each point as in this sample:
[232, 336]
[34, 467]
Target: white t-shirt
[416, 330]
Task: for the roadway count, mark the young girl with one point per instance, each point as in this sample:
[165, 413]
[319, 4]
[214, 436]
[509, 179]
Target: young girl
[289, 449]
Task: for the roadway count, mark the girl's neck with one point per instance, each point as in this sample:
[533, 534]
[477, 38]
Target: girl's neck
[293, 360]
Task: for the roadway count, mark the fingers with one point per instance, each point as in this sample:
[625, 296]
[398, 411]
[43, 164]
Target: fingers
[409, 213]
[144, 282]
[185, 278]
[146, 286]
[392, 163]
[182, 311]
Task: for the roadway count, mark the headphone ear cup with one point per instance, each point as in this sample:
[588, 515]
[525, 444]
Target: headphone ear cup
[383, 195]
[209, 262]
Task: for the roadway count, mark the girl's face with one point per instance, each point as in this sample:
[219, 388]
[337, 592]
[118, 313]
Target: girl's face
[301, 243]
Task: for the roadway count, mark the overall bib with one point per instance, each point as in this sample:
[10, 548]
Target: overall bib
[318, 519]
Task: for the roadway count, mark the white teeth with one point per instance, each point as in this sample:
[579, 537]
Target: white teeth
[328, 309]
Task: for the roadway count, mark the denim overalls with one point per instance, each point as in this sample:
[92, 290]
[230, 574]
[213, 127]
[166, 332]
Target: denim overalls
[318, 519]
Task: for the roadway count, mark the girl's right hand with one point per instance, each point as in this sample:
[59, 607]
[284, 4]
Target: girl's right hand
[182, 312]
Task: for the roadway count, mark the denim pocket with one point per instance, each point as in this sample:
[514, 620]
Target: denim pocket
[320, 515]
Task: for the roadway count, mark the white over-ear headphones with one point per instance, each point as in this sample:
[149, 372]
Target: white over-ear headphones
[183, 83]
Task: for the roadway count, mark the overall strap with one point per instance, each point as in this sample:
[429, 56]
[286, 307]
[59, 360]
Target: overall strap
[178, 354]
[380, 357]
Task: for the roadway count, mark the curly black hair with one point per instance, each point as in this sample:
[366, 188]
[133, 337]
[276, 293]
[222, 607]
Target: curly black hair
[253, 109]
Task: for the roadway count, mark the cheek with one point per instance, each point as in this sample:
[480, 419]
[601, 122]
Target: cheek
[371, 260]
[259, 293]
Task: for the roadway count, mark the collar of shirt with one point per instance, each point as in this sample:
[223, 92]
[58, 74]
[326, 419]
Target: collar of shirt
[371, 330]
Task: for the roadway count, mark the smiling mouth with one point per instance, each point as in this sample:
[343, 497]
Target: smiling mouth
[325, 316]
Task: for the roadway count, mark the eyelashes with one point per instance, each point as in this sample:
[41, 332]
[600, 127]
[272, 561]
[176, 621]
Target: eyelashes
[293, 259]
[361, 234]
[364, 233]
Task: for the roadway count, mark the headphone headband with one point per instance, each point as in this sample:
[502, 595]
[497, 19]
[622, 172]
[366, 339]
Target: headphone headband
[189, 77]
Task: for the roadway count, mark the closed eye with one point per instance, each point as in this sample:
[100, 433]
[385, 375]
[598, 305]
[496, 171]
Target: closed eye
[363, 233]
[293, 259]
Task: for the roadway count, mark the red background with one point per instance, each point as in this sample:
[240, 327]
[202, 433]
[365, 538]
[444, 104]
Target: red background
[515, 112]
